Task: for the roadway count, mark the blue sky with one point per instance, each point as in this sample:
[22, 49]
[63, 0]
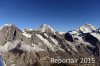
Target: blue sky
[62, 15]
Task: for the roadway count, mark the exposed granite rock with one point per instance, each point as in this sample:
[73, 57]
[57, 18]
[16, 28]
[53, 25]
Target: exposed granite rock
[37, 47]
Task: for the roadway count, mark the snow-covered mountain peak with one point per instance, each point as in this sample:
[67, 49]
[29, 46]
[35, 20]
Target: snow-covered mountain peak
[6, 25]
[87, 28]
[46, 28]
[45, 25]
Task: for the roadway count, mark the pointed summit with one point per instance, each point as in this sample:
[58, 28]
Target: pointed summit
[7, 25]
[46, 28]
[87, 28]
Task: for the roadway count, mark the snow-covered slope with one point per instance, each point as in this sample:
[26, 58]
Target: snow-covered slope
[87, 28]
[27, 35]
[35, 46]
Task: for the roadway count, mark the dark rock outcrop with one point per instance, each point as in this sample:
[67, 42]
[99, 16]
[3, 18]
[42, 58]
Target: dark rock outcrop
[69, 37]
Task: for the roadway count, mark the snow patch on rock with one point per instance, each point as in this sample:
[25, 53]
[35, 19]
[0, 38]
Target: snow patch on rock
[74, 32]
[61, 33]
[27, 35]
[54, 41]
[49, 45]
[46, 35]
[96, 35]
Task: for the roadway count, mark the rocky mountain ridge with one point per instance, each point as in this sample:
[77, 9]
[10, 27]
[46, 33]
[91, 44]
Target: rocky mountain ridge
[36, 47]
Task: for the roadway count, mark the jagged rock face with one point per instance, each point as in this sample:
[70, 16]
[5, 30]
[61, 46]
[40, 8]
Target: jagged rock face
[9, 33]
[37, 47]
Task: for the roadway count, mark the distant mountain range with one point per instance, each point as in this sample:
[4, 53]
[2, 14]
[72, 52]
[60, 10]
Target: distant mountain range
[35, 47]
